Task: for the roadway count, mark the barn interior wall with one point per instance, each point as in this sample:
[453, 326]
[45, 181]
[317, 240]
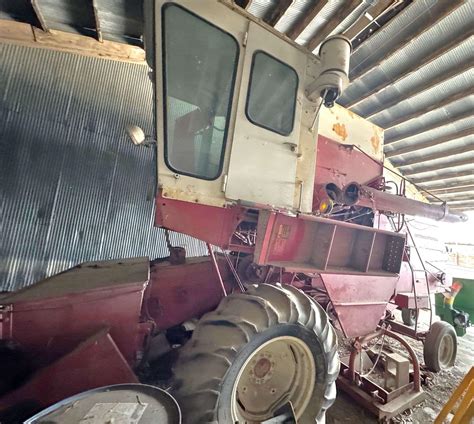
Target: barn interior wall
[72, 187]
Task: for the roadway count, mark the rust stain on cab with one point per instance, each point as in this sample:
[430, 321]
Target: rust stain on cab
[375, 140]
[340, 130]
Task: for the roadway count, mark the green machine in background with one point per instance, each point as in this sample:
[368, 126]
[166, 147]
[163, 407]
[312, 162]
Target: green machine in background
[457, 306]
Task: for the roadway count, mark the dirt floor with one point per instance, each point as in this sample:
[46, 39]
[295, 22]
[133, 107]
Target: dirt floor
[439, 388]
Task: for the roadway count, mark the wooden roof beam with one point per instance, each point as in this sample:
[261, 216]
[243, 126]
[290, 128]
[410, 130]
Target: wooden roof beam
[460, 39]
[98, 29]
[277, 13]
[12, 32]
[306, 19]
[342, 13]
[244, 4]
[39, 15]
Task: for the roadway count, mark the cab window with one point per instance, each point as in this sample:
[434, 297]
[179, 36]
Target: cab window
[199, 66]
[271, 97]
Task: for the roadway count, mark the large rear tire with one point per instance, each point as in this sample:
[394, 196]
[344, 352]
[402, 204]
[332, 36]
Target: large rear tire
[255, 352]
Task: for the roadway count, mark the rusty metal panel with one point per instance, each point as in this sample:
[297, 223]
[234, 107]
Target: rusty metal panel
[342, 125]
[72, 188]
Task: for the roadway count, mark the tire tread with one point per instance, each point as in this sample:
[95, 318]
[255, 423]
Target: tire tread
[198, 392]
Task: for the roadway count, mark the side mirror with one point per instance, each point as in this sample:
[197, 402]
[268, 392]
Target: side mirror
[138, 137]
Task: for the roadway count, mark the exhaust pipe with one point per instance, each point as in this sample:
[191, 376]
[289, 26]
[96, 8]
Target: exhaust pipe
[356, 194]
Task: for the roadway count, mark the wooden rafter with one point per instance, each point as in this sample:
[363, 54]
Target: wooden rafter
[244, 4]
[39, 15]
[277, 13]
[299, 27]
[12, 32]
[98, 29]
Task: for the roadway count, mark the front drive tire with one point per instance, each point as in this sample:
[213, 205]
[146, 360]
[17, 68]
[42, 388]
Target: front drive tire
[255, 352]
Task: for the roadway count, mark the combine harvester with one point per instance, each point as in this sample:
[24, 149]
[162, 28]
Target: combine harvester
[251, 160]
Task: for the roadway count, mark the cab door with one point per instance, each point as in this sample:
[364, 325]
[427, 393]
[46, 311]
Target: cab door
[264, 154]
[194, 48]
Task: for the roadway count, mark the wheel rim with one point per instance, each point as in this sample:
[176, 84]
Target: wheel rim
[280, 371]
[446, 351]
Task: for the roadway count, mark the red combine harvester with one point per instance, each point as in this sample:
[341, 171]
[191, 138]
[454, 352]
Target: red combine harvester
[251, 160]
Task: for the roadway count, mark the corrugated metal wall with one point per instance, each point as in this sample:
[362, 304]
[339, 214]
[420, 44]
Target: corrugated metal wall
[72, 188]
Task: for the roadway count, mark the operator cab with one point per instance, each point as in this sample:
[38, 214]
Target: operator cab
[236, 105]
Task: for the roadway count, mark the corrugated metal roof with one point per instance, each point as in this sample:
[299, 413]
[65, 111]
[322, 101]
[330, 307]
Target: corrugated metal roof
[414, 77]
[409, 76]
[327, 12]
[412, 74]
[119, 20]
[296, 10]
[73, 188]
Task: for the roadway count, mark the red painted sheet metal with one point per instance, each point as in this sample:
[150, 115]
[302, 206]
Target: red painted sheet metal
[279, 238]
[342, 164]
[312, 244]
[214, 225]
[359, 301]
[177, 293]
[407, 300]
[406, 295]
[95, 362]
[49, 318]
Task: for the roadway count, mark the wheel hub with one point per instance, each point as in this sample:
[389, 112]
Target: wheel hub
[262, 368]
[446, 351]
[280, 371]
